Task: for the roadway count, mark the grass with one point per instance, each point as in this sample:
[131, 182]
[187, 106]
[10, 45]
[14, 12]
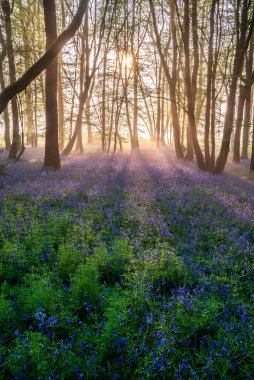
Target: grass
[126, 267]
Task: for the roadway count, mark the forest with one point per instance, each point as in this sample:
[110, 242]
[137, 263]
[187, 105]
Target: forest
[126, 189]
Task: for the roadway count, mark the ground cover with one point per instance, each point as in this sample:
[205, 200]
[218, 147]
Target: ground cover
[125, 267]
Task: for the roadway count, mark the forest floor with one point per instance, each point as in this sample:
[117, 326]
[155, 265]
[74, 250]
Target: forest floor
[128, 266]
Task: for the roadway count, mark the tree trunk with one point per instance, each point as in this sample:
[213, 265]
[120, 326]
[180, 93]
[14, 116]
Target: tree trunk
[190, 91]
[88, 79]
[190, 152]
[150, 123]
[247, 112]
[238, 127]
[103, 108]
[135, 68]
[209, 86]
[171, 80]
[84, 71]
[162, 140]
[60, 87]
[78, 124]
[213, 120]
[158, 122]
[28, 93]
[60, 105]
[52, 158]
[6, 117]
[246, 123]
[12, 73]
[88, 120]
[252, 148]
[135, 142]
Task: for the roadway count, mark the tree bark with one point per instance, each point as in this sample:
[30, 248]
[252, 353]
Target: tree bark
[6, 117]
[247, 111]
[252, 148]
[209, 86]
[158, 122]
[52, 158]
[238, 127]
[103, 109]
[60, 94]
[12, 73]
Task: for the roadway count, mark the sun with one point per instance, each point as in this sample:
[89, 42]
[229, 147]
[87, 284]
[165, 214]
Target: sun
[127, 61]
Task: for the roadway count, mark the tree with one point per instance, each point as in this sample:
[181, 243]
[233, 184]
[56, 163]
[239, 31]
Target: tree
[18, 86]
[12, 73]
[7, 139]
[171, 82]
[190, 82]
[210, 77]
[52, 157]
[248, 101]
[245, 24]
[88, 80]
[239, 120]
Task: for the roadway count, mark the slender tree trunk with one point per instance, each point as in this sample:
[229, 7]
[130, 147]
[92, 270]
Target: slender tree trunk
[60, 105]
[171, 80]
[135, 114]
[238, 127]
[28, 92]
[246, 123]
[60, 88]
[84, 72]
[213, 120]
[112, 110]
[162, 141]
[127, 105]
[150, 123]
[190, 94]
[73, 100]
[103, 109]
[35, 126]
[78, 124]
[88, 120]
[118, 109]
[52, 158]
[158, 122]
[6, 117]
[252, 148]
[12, 73]
[247, 112]
[209, 86]
[88, 101]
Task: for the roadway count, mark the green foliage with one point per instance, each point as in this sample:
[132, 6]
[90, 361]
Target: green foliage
[160, 267]
[80, 298]
[6, 312]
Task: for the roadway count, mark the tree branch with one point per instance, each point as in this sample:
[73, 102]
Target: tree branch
[36, 69]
